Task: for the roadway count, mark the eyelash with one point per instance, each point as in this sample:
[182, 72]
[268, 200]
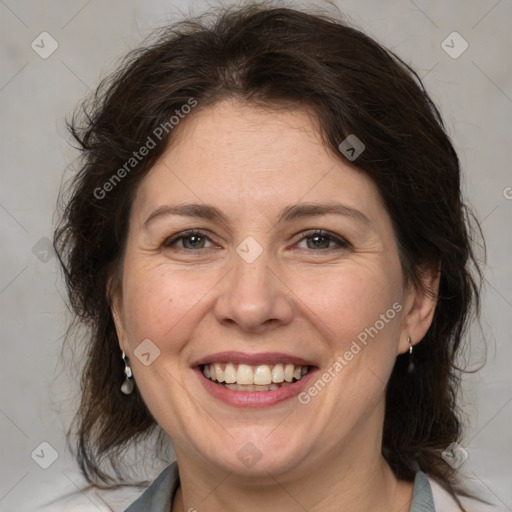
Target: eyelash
[343, 244]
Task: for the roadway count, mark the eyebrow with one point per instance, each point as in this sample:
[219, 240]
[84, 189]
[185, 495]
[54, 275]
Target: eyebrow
[288, 214]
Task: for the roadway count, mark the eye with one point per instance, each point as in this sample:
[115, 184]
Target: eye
[320, 239]
[193, 238]
[196, 239]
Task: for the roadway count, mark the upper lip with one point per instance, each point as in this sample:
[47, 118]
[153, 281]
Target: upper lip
[252, 359]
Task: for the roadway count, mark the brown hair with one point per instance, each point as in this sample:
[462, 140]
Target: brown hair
[280, 58]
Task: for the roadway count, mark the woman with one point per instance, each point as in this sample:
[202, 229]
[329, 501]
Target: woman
[268, 242]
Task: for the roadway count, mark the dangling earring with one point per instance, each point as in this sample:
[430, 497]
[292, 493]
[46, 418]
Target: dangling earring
[128, 385]
[410, 368]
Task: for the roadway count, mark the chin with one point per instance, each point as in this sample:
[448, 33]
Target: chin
[258, 458]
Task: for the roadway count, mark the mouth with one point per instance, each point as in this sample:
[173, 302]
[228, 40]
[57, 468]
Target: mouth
[254, 380]
[245, 377]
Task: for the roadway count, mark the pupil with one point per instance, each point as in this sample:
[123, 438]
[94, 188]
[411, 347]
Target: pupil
[316, 238]
[194, 237]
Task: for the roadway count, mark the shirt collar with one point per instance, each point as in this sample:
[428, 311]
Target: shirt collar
[159, 495]
[422, 499]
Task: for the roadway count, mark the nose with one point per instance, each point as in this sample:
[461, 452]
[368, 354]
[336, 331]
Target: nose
[254, 297]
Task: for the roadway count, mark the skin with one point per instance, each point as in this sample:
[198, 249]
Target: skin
[294, 298]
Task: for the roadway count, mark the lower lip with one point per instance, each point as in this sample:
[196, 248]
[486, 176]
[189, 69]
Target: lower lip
[254, 398]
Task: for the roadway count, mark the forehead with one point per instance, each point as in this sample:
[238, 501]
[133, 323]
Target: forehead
[234, 154]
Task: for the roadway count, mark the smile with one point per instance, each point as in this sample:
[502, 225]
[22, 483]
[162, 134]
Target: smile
[263, 377]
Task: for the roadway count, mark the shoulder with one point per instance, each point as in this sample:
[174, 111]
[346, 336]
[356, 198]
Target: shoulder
[159, 495]
[88, 500]
[156, 497]
[445, 503]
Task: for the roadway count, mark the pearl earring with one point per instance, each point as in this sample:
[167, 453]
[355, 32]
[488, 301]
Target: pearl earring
[410, 368]
[128, 385]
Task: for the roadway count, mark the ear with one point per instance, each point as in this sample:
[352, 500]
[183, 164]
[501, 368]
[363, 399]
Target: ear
[419, 306]
[115, 296]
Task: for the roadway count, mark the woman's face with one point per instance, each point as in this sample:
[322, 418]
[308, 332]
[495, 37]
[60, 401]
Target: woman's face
[257, 290]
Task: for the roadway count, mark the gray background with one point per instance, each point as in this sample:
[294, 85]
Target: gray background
[473, 91]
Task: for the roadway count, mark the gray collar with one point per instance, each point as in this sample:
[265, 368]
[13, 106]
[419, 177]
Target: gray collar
[422, 499]
[159, 495]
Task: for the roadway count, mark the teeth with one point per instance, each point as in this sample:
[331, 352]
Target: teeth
[244, 374]
[278, 373]
[213, 375]
[288, 372]
[219, 372]
[263, 377]
[230, 374]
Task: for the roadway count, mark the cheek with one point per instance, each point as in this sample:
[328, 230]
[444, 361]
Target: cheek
[348, 301]
[358, 314]
[160, 302]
